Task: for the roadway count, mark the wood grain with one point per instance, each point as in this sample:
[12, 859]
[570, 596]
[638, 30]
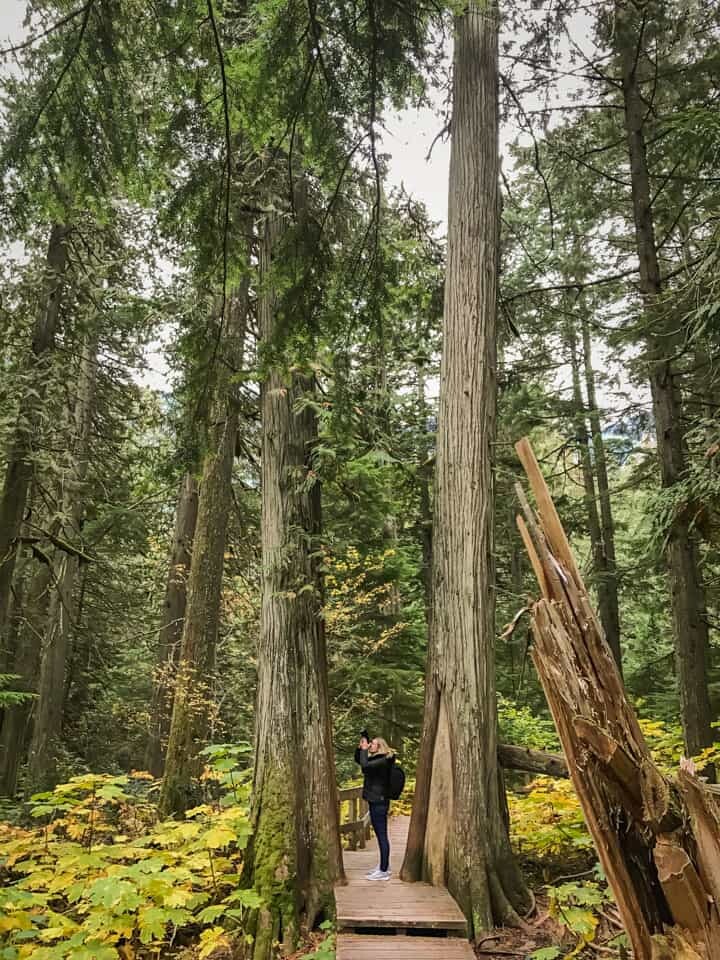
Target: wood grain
[392, 904]
[352, 947]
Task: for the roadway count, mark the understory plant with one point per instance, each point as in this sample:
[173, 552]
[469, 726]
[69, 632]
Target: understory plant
[93, 874]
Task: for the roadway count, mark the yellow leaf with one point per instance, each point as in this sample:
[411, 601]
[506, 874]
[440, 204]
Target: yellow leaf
[19, 920]
[179, 897]
[212, 940]
[219, 836]
[61, 882]
[53, 933]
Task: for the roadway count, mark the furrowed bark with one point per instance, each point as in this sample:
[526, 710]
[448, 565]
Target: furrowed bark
[16, 726]
[458, 835]
[295, 858]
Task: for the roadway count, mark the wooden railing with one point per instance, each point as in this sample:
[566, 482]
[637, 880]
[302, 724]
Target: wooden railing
[357, 825]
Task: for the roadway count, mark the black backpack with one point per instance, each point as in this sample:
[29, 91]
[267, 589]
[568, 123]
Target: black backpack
[397, 781]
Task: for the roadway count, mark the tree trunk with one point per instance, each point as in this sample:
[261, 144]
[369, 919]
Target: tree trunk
[686, 585]
[424, 475]
[171, 625]
[591, 504]
[657, 839]
[60, 619]
[296, 857]
[458, 835]
[18, 476]
[194, 689]
[30, 614]
[512, 757]
[610, 611]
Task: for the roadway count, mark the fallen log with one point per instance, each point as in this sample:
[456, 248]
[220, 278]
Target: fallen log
[658, 839]
[527, 760]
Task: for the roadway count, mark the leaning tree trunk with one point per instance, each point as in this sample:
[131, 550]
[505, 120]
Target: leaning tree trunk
[457, 833]
[18, 476]
[171, 624]
[295, 858]
[686, 584]
[610, 611]
[194, 687]
[60, 619]
[657, 838]
[591, 506]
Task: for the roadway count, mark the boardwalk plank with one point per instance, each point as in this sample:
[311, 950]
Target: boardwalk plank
[368, 904]
[352, 947]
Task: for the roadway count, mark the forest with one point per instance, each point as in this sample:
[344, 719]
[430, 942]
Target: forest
[214, 576]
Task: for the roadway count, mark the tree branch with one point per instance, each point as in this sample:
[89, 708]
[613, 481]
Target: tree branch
[38, 36]
[68, 63]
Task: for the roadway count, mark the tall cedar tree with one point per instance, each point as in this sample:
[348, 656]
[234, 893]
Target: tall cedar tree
[458, 834]
[295, 858]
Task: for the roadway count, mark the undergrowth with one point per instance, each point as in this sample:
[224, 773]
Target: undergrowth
[88, 872]
[93, 875]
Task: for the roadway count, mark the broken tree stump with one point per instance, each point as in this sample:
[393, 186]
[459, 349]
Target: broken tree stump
[658, 839]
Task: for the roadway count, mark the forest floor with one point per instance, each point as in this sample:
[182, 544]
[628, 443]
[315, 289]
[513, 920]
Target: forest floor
[542, 937]
[90, 871]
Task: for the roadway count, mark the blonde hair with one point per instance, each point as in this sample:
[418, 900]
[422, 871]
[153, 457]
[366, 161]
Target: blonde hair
[384, 747]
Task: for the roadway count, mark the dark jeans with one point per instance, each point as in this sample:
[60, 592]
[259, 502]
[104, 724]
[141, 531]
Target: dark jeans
[379, 819]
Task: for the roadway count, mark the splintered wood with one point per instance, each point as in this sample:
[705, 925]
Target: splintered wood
[658, 840]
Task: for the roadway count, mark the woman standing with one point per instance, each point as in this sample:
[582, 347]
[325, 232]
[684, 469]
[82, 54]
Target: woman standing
[376, 759]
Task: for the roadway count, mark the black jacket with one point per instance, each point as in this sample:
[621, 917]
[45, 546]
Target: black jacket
[376, 770]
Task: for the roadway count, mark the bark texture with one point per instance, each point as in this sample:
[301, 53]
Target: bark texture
[458, 835]
[171, 625]
[195, 681]
[61, 608]
[658, 839]
[295, 858]
[686, 584]
[18, 476]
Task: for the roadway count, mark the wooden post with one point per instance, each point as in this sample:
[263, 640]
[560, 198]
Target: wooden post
[353, 804]
[362, 828]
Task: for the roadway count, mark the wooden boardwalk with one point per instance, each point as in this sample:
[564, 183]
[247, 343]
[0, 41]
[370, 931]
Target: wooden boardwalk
[371, 914]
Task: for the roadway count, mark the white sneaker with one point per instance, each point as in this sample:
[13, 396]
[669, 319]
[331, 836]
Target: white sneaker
[382, 875]
[374, 874]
